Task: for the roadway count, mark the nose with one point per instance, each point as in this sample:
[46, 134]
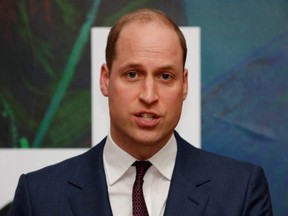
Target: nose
[149, 92]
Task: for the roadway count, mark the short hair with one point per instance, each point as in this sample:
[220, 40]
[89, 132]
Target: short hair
[143, 16]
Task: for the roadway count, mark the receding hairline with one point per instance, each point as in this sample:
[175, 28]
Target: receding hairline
[145, 16]
[141, 16]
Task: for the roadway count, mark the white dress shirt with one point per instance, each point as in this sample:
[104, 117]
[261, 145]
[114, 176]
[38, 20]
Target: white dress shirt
[120, 176]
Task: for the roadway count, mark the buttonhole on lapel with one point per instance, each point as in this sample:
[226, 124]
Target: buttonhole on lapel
[204, 182]
[79, 187]
[194, 201]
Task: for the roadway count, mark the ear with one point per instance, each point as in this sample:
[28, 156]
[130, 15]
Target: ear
[185, 84]
[104, 80]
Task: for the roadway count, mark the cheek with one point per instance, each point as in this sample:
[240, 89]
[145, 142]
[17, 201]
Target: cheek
[173, 95]
[173, 102]
[121, 97]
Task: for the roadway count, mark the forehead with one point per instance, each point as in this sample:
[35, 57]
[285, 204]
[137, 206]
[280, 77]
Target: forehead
[149, 46]
[152, 35]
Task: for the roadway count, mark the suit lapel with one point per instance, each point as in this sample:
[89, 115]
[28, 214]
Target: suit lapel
[186, 193]
[90, 195]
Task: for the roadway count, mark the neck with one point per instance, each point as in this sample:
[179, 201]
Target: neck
[139, 149]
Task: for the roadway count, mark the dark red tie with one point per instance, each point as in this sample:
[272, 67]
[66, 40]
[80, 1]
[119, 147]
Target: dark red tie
[139, 206]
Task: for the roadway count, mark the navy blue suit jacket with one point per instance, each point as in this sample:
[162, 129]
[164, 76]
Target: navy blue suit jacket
[203, 184]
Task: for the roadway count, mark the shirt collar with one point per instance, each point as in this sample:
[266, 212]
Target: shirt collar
[117, 161]
[164, 160]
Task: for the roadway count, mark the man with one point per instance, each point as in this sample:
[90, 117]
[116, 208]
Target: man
[146, 83]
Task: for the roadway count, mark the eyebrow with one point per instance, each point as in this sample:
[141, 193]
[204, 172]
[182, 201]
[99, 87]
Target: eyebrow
[167, 67]
[133, 65]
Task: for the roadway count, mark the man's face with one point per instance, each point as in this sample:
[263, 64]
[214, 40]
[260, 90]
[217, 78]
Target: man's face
[146, 87]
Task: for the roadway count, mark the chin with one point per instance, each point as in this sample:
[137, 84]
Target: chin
[152, 138]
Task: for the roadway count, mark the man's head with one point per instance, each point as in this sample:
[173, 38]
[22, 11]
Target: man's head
[142, 16]
[145, 85]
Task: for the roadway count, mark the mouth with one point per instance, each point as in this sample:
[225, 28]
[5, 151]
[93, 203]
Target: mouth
[147, 119]
[148, 116]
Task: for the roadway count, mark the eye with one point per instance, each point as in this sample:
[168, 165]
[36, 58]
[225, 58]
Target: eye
[132, 74]
[166, 76]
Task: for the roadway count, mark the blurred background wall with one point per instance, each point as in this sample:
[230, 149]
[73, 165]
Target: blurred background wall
[45, 76]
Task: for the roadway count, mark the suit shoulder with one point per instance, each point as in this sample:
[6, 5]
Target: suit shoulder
[220, 162]
[65, 168]
[213, 161]
[224, 160]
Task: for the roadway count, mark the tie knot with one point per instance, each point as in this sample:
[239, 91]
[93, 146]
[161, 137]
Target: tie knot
[141, 167]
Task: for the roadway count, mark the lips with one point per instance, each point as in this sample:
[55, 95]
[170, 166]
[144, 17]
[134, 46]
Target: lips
[147, 119]
[147, 116]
